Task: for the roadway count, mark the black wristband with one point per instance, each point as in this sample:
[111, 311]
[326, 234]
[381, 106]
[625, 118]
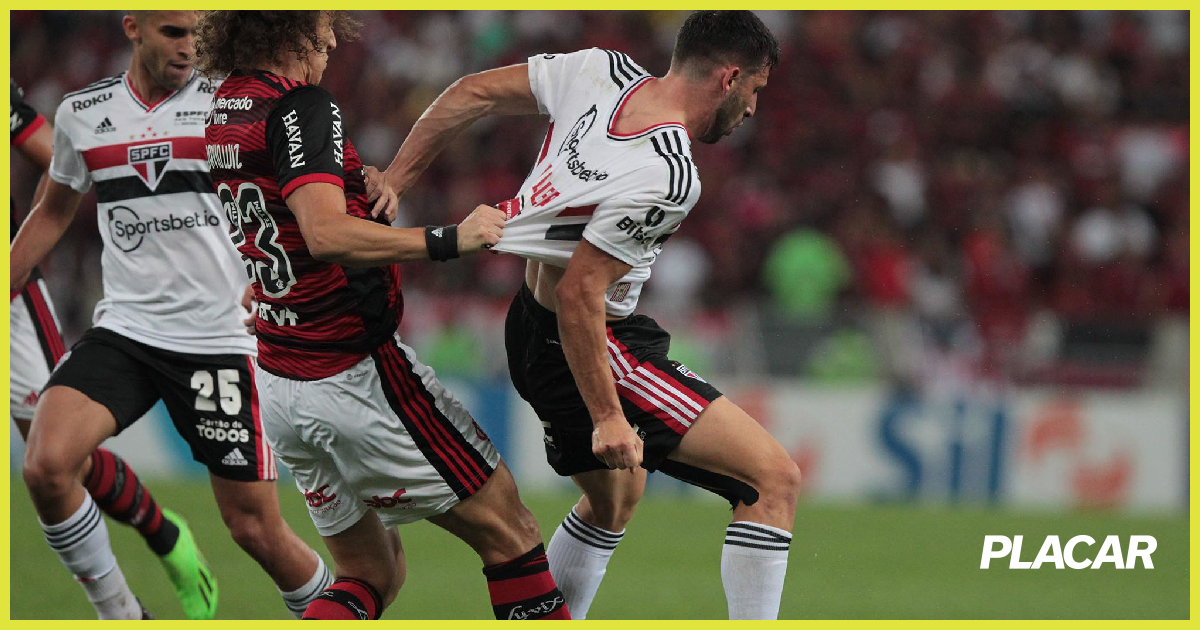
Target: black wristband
[442, 242]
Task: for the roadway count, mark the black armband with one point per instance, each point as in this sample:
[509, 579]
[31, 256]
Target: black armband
[442, 242]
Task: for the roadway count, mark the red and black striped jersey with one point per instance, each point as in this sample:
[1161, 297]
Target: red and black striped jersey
[267, 135]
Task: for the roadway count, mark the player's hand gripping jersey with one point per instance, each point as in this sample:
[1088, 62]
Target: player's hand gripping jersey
[626, 194]
[171, 279]
[268, 135]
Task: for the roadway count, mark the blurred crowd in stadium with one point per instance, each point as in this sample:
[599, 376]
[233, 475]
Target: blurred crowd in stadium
[1003, 194]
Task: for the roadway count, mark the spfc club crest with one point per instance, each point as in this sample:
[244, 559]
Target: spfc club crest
[150, 161]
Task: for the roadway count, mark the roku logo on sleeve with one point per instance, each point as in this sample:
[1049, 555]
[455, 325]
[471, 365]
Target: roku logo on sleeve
[1065, 557]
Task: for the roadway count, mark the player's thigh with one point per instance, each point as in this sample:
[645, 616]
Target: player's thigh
[97, 390]
[213, 403]
[493, 521]
[727, 441]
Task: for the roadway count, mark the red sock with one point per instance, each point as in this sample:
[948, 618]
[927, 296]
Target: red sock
[117, 490]
[346, 598]
[524, 589]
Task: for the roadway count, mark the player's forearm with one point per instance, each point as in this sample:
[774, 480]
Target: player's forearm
[452, 112]
[353, 242]
[42, 229]
[582, 331]
[501, 91]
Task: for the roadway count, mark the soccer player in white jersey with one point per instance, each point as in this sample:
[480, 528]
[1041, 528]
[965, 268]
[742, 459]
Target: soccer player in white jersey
[35, 347]
[169, 326]
[612, 182]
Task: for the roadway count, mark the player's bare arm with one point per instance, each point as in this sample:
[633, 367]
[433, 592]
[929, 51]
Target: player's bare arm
[502, 91]
[579, 300]
[334, 236]
[42, 230]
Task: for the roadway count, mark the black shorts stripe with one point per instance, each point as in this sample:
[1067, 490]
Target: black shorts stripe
[462, 445]
[413, 405]
[464, 453]
[49, 338]
[132, 187]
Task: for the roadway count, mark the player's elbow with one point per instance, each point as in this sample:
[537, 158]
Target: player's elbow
[571, 296]
[473, 93]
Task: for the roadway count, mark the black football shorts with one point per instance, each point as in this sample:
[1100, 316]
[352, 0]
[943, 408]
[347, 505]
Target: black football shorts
[661, 398]
[211, 397]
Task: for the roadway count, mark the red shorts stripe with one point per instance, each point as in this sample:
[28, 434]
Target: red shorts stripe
[469, 465]
[394, 372]
[43, 320]
[266, 459]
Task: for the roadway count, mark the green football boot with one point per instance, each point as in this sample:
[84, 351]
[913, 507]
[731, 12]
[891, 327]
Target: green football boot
[194, 584]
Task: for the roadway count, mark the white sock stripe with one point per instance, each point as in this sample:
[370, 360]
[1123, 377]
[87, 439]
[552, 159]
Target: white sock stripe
[317, 583]
[65, 540]
[755, 536]
[586, 538]
[757, 528]
[783, 548]
[81, 514]
[757, 540]
[598, 531]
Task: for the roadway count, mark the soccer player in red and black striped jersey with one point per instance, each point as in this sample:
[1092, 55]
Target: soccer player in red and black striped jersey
[371, 436]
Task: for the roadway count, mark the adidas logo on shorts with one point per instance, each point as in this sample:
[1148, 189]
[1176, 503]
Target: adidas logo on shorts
[105, 126]
[234, 458]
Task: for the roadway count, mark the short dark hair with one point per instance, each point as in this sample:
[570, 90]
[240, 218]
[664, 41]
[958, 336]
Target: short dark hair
[722, 37]
[229, 40]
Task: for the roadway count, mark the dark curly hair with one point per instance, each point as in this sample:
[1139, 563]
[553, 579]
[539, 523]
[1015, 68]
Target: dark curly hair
[229, 40]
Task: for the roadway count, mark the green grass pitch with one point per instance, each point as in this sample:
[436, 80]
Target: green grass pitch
[846, 562]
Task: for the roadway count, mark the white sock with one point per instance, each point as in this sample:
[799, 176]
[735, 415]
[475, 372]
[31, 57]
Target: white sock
[753, 565]
[299, 599]
[578, 554]
[81, 542]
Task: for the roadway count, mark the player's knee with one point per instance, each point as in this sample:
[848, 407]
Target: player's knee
[49, 473]
[610, 512]
[782, 481]
[251, 533]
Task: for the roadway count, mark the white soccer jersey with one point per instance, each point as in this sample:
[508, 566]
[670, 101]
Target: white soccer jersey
[625, 194]
[172, 278]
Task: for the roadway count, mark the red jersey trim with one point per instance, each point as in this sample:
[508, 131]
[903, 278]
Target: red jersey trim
[312, 178]
[185, 148]
[617, 114]
[28, 131]
[141, 101]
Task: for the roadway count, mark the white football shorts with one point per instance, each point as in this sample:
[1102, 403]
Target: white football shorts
[384, 435]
